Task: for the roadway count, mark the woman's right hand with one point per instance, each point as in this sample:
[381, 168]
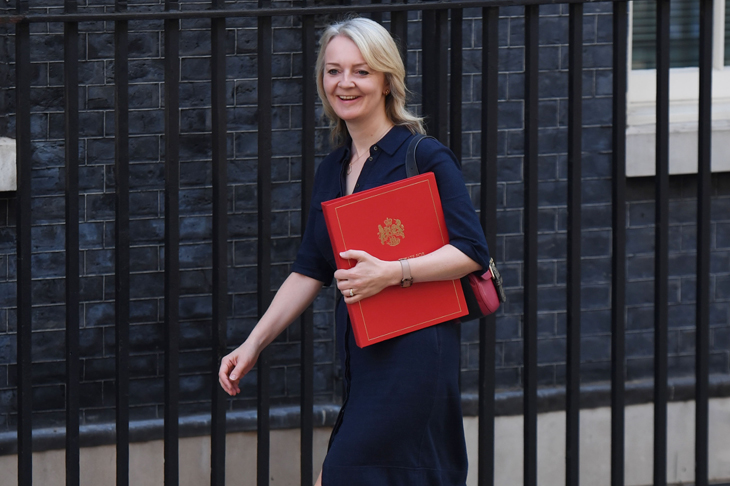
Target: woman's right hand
[235, 365]
[293, 297]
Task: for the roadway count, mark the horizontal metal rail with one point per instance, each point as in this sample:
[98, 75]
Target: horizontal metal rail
[277, 12]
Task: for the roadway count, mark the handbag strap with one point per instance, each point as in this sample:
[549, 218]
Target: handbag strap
[412, 170]
[411, 164]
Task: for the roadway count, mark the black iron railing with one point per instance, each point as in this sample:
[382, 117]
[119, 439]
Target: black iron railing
[442, 105]
[618, 244]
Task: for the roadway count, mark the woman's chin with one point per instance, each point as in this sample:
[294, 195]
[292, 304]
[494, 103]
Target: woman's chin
[348, 116]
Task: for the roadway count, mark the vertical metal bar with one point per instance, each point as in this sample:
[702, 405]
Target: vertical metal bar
[220, 242]
[488, 219]
[435, 72]
[307, 322]
[264, 238]
[23, 248]
[399, 30]
[618, 241]
[661, 239]
[71, 99]
[377, 16]
[457, 67]
[172, 246]
[704, 145]
[121, 332]
[455, 93]
[529, 322]
[575, 129]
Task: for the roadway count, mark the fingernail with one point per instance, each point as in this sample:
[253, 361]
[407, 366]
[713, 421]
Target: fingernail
[233, 377]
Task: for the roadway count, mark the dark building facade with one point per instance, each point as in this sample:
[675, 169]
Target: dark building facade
[146, 97]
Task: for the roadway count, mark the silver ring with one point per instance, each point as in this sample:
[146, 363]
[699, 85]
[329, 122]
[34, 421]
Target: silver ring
[352, 294]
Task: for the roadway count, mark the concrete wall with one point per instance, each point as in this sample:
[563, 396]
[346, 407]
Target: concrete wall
[595, 446]
[146, 458]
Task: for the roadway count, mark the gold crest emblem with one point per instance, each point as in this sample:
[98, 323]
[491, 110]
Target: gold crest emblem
[392, 232]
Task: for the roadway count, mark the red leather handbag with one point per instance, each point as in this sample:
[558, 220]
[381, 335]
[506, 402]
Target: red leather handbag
[483, 292]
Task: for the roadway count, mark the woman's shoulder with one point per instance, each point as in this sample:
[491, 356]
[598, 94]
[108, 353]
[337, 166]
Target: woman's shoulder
[434, 153]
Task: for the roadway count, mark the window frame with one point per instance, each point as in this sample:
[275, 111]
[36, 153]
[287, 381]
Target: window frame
[8, 176]
[683, 110]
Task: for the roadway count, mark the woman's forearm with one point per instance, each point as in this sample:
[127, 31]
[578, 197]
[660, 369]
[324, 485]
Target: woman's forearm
[371, 275]
[292, 298]
[446, 263]
[295, 294]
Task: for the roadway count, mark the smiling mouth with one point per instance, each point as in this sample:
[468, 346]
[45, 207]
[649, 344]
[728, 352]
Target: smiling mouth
[347, 98]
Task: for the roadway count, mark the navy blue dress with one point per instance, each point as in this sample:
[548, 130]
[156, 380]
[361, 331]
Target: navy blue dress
[401, 421]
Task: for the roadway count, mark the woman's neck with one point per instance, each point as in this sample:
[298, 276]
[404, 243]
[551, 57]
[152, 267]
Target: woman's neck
[364, 135]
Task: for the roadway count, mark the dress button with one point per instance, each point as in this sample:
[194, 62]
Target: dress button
[370, 158]
[375, 148]
[357, 185]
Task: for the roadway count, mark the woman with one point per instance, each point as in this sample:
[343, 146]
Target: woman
[401, 421]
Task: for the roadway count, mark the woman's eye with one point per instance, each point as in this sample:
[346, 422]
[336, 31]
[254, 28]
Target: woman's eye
[363, 73]
[332, 72]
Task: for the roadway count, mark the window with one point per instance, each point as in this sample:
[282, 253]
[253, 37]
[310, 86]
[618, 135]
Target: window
[684, 35]
[683, 86]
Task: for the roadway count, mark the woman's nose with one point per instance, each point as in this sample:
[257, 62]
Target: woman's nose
[346, 80]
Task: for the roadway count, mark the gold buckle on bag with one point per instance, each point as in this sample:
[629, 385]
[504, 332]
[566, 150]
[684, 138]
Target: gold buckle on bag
[497, 277]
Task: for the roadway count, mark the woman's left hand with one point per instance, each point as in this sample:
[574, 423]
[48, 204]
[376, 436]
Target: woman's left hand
[369, 276]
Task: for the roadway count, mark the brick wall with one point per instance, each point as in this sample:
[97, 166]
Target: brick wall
[682, 281]
[5, 72]
[147, 224]
[147, 221]
[552, 221]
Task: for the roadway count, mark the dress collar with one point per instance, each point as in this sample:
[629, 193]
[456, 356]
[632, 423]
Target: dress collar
[394, 139]
[390, 143]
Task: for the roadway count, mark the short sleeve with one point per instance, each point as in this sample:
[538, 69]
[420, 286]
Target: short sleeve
[310, 261]
[465, 231]
[315, 258]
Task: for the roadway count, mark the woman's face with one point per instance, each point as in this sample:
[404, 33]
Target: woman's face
[355, 91]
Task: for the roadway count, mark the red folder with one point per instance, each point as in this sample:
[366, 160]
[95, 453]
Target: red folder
[403, 219]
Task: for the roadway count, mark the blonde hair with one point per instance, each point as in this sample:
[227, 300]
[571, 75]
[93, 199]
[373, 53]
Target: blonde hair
[379, 51]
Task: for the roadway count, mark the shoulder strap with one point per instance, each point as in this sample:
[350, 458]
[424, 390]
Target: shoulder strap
[411, 164]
